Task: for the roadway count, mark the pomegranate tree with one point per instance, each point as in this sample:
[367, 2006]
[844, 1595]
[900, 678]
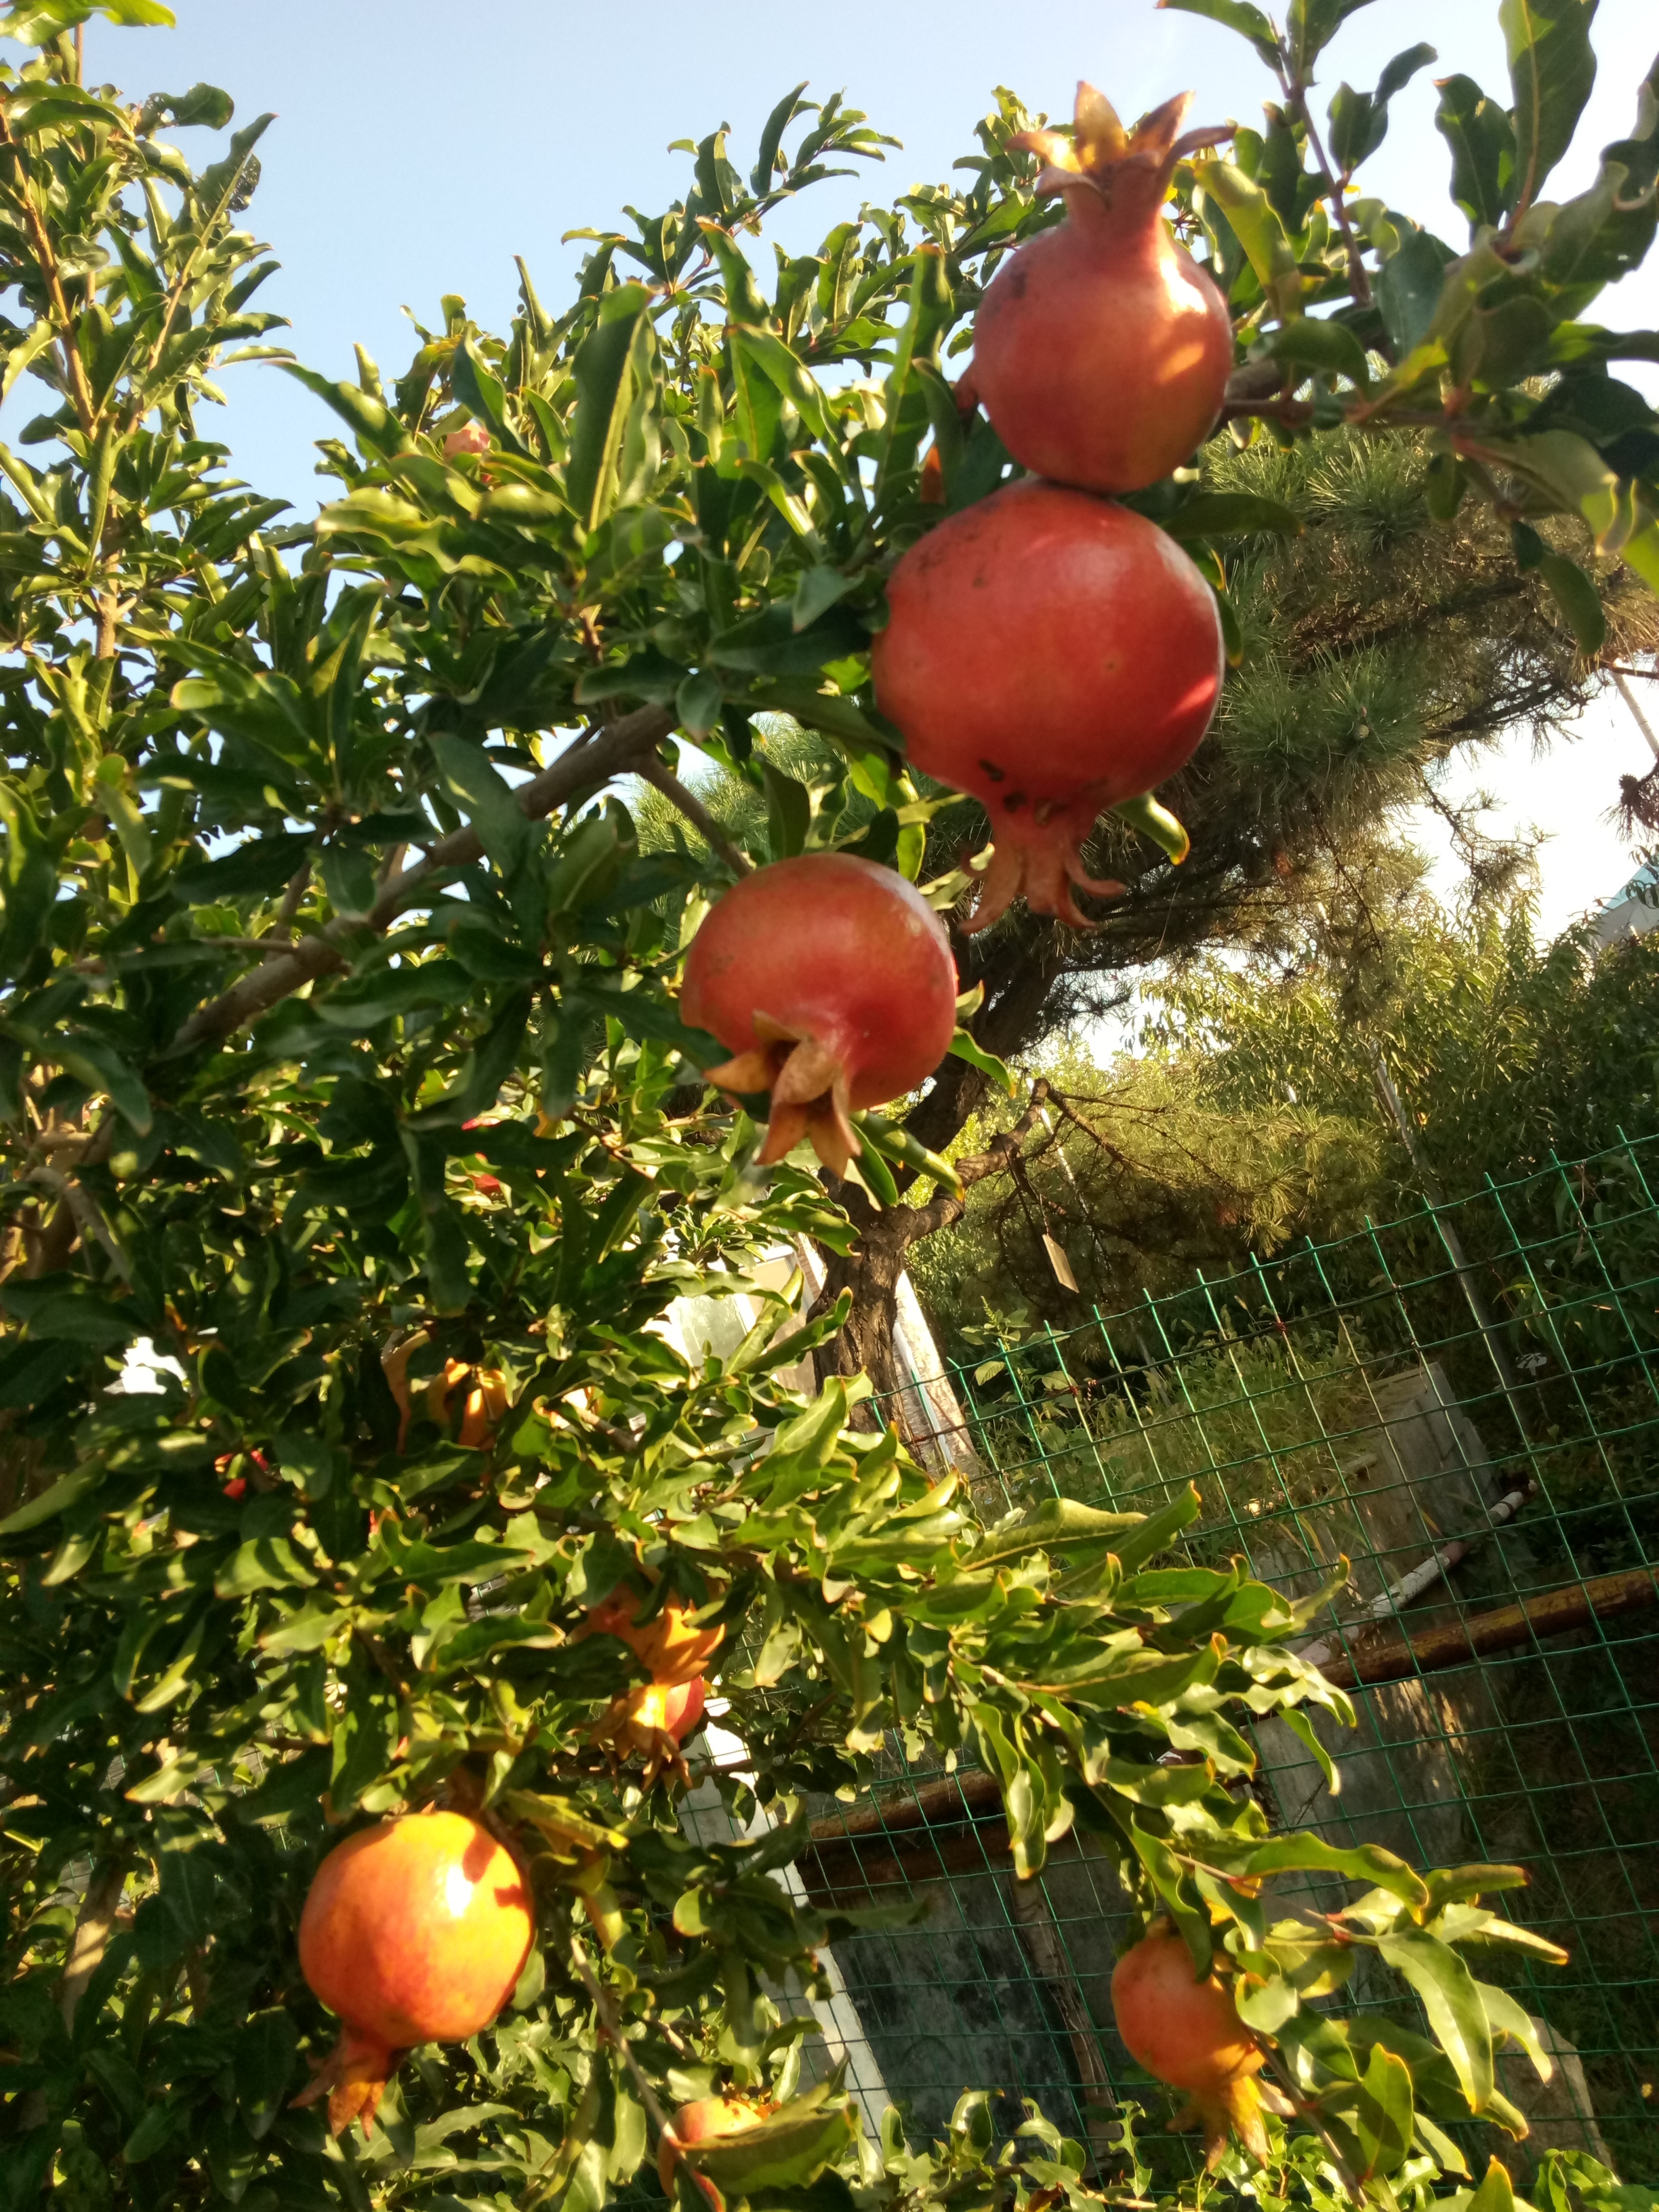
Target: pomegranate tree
[1101, 351]
[1186, 2029]
[830, 981]
[415, 1931]
[1055, 654]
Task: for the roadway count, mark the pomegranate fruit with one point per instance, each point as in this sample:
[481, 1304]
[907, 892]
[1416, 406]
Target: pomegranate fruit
[1101, 351]
[831, 981]
[1188, 2033]
[673, 1650]
[471, 438]
[414, 1931]
[1055, 654]
[704, 2121]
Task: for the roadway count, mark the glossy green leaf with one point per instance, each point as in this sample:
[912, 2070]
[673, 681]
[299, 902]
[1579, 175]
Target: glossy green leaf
[1552, 71]
[1238, 15]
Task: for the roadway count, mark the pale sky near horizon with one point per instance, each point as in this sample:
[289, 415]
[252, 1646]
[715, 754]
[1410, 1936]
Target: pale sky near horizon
[418, 149]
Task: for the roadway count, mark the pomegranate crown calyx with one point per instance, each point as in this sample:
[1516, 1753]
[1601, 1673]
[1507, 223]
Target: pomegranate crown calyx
[1098, 146]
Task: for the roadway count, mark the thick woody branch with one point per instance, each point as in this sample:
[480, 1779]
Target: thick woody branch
[92, 1934]
[83, 1211]
[998, 1157]
[618, 750]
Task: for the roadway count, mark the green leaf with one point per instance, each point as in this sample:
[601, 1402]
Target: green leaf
[698, 703]
[504, 829]
[97, 1064]
[1245, 514]
[883, 1136]
[1156, 821]
[64, 1312]
[1481, 135]
[1552, 71]
[65, 1492]
[1408, 288]
[962, 1047]
[1156, 1531]
[1496, 2192]
[789, 2149]
[1302, 1728]
[1058, 1524]
[603, 371]
[376, 427]
[788, 812]
[1311, 24]
[1237, 15]
[36, 25]
[1451, 1998]
[1314, 342]
[1574, 592]
[1255, 224]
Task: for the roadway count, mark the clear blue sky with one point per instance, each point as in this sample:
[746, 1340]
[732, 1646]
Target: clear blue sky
[419, 145]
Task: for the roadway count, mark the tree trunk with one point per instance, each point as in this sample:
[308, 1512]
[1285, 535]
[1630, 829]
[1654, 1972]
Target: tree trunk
[870, 1271]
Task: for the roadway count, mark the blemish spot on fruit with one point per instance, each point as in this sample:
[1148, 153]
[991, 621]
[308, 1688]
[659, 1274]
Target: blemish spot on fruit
[997, 775]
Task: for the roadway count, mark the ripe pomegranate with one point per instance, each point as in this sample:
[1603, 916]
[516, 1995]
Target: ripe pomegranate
[1101, 351]
[1188, 2033]
[414, 1931]
[704, 2121]
[669, 1646]
[471, 438]
[831, 982]
[1053, 654]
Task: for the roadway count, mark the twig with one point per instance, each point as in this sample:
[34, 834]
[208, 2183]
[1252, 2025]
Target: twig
[40, 239]
[617, 751]
[665, 781]
[612, 2026]
[1358, 282]
[298, 884]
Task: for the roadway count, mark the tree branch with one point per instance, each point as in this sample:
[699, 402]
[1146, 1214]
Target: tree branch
[40, 239]
[621, 749]
[665, 781]
[613, 2030]
[92, 1934]
[84, 1211]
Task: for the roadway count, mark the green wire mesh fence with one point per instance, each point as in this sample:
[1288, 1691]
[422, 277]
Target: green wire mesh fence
[1465, 1403]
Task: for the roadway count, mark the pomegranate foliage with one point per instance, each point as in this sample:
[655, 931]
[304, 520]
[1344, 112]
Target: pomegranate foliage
[357, 1146]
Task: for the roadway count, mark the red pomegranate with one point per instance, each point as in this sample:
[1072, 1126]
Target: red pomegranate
[1188, 2033]
[471, 438]
[1053, 653]
[414, 1931]
[704, 2121]
[831, 982]
[669, 1646]
[1101, 351]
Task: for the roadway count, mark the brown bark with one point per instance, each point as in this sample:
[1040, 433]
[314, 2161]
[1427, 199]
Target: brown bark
[872, 1269]
[92, 1934]
[618, 750]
